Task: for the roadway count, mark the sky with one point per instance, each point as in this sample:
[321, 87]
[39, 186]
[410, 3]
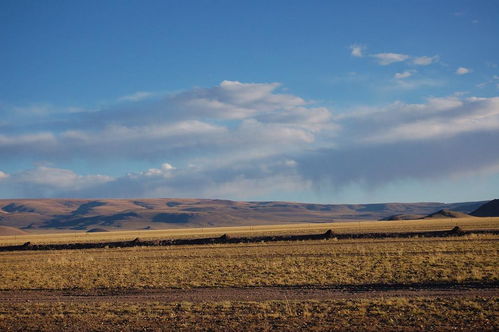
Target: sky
[312, 101]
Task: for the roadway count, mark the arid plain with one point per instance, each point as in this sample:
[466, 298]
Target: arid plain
[442, 282]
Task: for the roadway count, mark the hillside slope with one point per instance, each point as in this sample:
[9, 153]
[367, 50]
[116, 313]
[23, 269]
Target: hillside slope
[11, 231]
[446, 213]
[489, 209]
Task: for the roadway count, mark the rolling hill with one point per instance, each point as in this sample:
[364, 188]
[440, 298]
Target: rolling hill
[446, 213]
[10, 231]
[489, 209]
[41, 215]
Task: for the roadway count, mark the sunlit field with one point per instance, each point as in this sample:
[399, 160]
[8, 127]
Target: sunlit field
[323, 262]
[378, 264]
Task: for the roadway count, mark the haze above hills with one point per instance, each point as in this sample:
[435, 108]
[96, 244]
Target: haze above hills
[42, 215]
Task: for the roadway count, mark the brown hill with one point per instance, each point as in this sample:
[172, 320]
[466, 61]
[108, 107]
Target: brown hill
[444, 213]
[489, 209]
[10, 231]
[166, 213]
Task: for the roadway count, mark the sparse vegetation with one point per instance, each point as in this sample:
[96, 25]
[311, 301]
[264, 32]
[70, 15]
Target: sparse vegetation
[401, 314]
[464, 260]
[325, 262]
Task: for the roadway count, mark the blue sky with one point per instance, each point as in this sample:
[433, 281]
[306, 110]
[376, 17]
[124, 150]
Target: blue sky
[354, 101]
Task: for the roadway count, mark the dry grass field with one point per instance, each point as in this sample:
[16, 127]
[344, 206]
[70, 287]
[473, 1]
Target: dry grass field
[99, 276]
[324, 262]
[390, 314]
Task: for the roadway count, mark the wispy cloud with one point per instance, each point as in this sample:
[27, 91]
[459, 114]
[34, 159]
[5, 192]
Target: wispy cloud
[425, 60]
[388, 58]
[137, 96]
[412, 83]
[357, 50]
[405, 74]
[385, 59]
[463, 71]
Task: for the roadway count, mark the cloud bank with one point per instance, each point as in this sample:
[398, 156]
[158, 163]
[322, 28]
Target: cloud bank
[242, 140]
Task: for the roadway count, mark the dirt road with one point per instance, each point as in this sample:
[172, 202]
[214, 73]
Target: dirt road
[197, 295]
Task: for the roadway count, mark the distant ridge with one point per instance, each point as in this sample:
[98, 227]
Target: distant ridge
[166, 213]
[489, 209]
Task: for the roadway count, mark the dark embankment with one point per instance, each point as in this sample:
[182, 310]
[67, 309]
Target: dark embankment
[226, 239]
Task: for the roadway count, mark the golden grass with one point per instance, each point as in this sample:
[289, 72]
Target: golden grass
[400, 314]
[324, 262]
[471, 258]
[340, 227]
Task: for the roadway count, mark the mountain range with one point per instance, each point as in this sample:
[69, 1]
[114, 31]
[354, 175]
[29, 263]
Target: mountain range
[40, 215]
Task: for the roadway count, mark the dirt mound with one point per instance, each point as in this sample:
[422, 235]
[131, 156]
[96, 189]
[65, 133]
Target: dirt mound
[490, 209]
[97, 230]
[403, 217]
[6, 230]
[447, 214]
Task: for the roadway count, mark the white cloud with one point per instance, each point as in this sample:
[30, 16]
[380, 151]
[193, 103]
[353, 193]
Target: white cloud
[45, 181]
[405, 74]
[389, 58]
[443, 117]
[425, 60]
[220, 120]
[463, 71]
[235, 181]
[235, 100]
[165, 171]
[357, 50]
[60, 178]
